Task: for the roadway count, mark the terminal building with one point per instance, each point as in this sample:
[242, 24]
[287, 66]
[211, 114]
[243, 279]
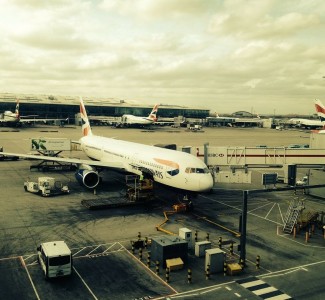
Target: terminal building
[106, 111]
[62, 107]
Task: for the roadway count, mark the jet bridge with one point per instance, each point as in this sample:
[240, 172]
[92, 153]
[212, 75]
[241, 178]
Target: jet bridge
[279, 156]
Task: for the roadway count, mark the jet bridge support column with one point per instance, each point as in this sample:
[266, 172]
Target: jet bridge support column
[206, 153]
[243, 228]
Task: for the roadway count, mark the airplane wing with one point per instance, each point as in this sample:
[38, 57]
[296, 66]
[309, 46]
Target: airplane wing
[103, 164]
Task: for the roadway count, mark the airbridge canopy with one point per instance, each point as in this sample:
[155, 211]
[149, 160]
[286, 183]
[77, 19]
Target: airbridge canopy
[232, 156]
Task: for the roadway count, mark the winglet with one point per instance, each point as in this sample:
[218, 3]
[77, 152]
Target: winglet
[85, 127]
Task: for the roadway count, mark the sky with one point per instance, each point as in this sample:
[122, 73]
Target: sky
[261, 56]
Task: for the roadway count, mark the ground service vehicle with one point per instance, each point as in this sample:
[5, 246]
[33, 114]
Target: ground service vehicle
[303, 181]
[46, 186]
[55, 259]
[9, 157]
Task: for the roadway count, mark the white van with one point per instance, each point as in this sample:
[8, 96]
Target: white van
[55, 259]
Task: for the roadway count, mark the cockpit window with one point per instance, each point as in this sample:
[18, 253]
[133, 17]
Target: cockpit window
[197, 170]
[173, 172]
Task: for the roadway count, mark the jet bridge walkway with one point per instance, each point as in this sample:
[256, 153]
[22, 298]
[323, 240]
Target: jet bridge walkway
[279, 156]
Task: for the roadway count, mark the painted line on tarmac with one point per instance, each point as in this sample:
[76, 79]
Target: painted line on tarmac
[109, 247]
[256, 208]
[269, 210]
[239, 209]
[86, 285]
[196, 292]
[29, 277]
[286, 271]
[152, 272]
[285, 236]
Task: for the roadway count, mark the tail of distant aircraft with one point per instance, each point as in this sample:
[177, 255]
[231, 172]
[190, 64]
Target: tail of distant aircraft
[153, 114]
[320, 108]
[86, 130]
[17, 108]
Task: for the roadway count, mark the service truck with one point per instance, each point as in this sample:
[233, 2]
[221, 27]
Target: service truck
[55, 259]
[46, 186]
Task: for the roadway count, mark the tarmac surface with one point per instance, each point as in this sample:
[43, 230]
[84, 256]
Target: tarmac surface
[105, 267]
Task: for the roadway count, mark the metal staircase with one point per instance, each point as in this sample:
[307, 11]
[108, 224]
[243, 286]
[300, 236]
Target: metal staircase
[292, 214]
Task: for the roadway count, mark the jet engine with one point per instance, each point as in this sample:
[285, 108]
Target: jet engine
[87, 176]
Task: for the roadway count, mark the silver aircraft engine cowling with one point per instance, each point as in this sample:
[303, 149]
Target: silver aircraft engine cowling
[87, 176]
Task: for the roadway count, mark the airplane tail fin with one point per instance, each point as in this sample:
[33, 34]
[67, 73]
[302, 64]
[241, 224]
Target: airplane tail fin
[320, 109]
[153, 114]
[17, 108]
[85, 127]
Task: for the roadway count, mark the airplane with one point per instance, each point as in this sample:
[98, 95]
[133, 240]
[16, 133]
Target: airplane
[14, 119]
[304, 123]
[176, 169]
[135, 121]
[307, 123]
[320, 109]
[310, 124]
[8, 117]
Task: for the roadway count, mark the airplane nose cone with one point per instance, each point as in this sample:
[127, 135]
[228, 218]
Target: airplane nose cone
[206, 183]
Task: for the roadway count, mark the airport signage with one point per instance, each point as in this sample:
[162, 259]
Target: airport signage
[50, 144]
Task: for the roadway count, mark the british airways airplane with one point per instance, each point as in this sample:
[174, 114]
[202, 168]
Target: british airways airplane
[172, 168]
[131, 120]
[320, 109]
[14, 119]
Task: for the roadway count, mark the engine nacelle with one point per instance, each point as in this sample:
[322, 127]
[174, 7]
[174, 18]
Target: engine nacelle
[88, 177]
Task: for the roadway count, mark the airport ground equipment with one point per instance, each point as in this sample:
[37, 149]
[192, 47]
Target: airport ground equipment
[292, 214]
[51, 147]
[302, 181]
[46, 166]
[180, 207]
[46, 186]
[106, 203]
[55, 259]
[4, 157]
[139, 190]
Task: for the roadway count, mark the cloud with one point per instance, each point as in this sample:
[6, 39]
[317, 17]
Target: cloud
[223, 55]
[256, 20]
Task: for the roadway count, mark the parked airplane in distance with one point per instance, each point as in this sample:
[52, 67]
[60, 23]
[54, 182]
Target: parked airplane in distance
[135, 121]
[176, 169]
[320, 109]
[304, 123]
[9, 118]
[14, 119]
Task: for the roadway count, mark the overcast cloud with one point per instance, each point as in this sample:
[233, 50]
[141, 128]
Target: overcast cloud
[262, 56]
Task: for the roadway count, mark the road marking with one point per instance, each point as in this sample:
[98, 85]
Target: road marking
[86, 285]
[29, 277]
[281, 213]
[262, 289]
[109, 247]
[251, 283]
[93, 250]
[270, 210]
[239, 209]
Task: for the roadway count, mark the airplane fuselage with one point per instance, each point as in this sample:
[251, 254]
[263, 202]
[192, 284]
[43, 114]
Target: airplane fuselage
[134, 120]
[169, 167]
[9, 117]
